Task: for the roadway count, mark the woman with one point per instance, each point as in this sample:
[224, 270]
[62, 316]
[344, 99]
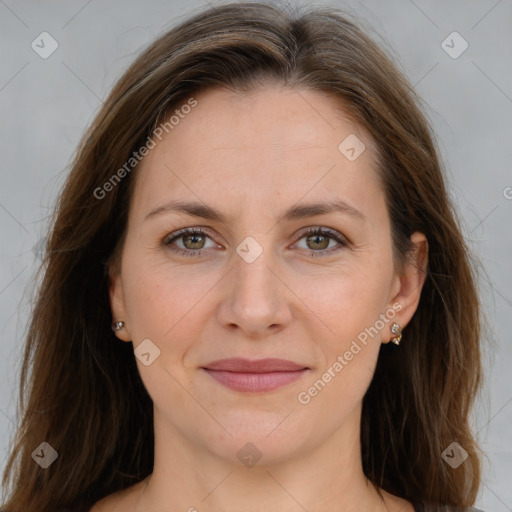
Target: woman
[256, 295]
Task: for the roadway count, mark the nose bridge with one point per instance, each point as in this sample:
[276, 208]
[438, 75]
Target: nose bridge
[253, 276]
[256, 299]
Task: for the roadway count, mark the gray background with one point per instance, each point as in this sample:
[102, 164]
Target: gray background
[46, 105]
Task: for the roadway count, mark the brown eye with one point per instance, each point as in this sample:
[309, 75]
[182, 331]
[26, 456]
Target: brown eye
[322, 241]
[189, 242]
[317, 241]
[193, 242]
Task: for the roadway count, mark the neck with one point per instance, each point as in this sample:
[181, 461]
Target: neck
[328, 477]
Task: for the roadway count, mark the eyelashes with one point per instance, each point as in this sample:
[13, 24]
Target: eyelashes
[194, 234]
[184, 233]
[325, 234]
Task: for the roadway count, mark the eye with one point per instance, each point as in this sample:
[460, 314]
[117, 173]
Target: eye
[189, 241]
[192, 241]
[318, 239]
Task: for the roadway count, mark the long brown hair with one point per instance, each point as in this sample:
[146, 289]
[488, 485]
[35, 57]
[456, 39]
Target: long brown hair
[80, 390]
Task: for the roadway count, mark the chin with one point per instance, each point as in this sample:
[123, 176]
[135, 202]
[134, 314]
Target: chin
[258, 440]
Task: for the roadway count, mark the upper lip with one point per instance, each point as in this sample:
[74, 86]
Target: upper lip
[241, 365]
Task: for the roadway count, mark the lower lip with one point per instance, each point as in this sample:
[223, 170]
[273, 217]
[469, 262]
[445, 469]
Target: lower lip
[255, 382]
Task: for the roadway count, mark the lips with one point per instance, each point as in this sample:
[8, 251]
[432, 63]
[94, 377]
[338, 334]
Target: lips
[255, 376]
[241, 365]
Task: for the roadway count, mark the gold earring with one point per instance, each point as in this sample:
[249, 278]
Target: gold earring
[397, 330]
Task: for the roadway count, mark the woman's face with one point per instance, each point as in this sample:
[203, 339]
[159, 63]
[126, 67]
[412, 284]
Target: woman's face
[252, 283]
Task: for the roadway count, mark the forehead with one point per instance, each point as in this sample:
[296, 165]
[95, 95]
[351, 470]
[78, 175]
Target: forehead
[271, 143]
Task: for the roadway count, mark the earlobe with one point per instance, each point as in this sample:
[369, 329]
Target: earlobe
[117, 307]
[411, 282]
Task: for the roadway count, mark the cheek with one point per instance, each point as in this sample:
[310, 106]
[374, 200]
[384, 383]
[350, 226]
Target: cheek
[350, 307]
[348, 302]
[167, 306]
[161, 299]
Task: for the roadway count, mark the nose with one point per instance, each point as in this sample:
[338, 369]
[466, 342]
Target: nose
[256, 301]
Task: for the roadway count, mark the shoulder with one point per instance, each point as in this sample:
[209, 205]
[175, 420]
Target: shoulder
[423, 507]
[111, 503]
[121, 500]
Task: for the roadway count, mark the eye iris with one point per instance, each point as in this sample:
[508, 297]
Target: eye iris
[323, 244]
[316, 241]
[193, 237]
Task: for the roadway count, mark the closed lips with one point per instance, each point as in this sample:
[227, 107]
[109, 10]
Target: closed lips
[257, 366]
[264, 375]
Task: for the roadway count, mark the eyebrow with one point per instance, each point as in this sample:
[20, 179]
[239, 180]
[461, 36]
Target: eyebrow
[195, 209]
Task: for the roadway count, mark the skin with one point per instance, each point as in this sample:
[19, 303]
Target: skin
[252, 156]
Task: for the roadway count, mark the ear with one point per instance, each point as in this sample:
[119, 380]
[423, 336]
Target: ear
[118, 305]
[407, 286]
